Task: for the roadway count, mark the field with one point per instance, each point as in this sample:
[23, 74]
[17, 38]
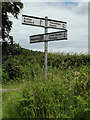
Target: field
[28, 94]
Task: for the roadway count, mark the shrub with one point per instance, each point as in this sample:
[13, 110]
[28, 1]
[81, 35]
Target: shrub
[11, 69]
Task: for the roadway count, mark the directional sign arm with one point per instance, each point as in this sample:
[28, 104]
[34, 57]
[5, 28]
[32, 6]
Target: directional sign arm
[60, 35]
[40, 22]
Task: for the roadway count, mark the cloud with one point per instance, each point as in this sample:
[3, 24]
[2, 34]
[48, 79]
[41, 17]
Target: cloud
[77, 25]
[82, 8]
[55, 0]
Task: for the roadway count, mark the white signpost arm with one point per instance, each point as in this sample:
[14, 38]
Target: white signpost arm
[46, 46]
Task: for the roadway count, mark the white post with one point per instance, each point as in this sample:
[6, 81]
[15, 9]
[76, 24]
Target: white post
[46, 46]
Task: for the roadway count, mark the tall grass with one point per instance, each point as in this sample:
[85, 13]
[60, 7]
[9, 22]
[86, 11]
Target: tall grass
[64, 94]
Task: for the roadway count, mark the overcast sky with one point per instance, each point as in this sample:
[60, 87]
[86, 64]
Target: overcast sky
[74, 13]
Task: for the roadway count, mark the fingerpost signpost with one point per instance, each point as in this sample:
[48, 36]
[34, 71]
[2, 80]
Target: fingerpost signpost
[46, 23]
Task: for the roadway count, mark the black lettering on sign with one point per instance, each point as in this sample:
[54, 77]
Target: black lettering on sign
[54, 24]
[41, 22]
[58, 23]
[58, 34]
[52, 35]
[63, 25]
[36, 39]
[28, 20]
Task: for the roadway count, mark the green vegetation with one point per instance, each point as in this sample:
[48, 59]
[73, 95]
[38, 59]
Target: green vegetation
[8, 8]
[65, 94]
[26, 92]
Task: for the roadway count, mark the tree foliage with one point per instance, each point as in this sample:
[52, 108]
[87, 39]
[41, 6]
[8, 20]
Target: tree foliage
[9, 8]
[14, 9]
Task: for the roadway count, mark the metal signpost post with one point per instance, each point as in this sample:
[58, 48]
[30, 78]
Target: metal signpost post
[46, 23]
[46, 45]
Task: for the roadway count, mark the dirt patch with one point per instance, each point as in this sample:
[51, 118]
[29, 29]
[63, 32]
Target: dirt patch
[6, 90]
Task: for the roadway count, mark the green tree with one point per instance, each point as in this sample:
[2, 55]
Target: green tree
[9, 8]
[14, 9]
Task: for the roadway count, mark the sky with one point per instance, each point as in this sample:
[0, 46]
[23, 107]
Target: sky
[74, 13]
